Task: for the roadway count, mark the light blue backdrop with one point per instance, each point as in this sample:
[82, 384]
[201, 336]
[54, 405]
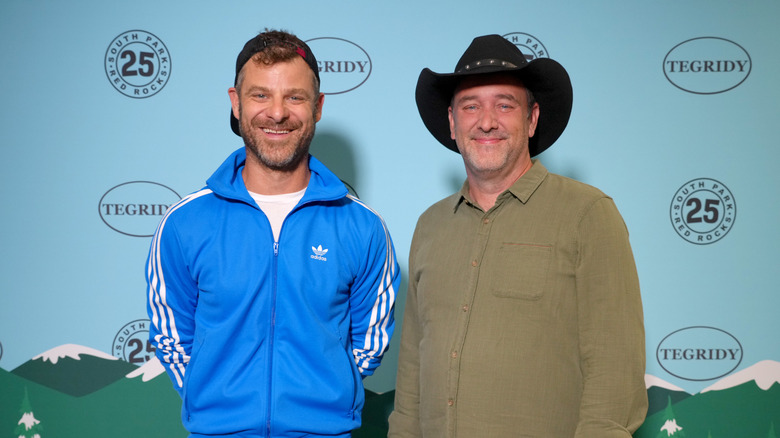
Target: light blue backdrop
[67, 137]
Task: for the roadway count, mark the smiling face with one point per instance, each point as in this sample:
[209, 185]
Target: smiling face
[491, 123]
[277, 106]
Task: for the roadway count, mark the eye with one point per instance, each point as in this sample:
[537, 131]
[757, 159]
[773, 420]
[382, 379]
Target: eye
[298, 98]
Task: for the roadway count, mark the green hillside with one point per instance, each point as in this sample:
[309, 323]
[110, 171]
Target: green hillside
[46, 403]
[129, 408]
[658, 398]
[744, 411]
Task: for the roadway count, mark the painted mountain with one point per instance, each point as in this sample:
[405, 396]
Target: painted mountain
[74, 370]
[745, 404]
[76, 392]
[73, 391]
[659, 392]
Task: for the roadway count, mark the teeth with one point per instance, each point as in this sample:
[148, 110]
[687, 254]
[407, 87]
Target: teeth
[273, 131]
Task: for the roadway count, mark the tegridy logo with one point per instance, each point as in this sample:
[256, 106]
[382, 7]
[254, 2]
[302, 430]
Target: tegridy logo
[344, 65]
[707, 65]
[135, 208]
[699, 353]
[138, 64]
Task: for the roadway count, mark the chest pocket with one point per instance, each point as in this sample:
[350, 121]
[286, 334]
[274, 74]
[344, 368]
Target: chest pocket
[520, 270]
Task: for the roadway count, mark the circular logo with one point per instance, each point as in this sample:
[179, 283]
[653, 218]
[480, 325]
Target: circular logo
[1, 350]
[132, 344]
[707, 65]
[343, 64]
[135, 208]
[699, 353]
[138, 64]
[703, 211]
[531, 47]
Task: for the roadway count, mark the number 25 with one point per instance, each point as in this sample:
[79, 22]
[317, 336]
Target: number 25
[709, 207]
[146, 68]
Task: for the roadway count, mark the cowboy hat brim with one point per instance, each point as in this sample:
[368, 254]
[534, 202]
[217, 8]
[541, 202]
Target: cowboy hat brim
[546, 78]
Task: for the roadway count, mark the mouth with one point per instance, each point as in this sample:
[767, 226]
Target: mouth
[276, 131]
[488, 139]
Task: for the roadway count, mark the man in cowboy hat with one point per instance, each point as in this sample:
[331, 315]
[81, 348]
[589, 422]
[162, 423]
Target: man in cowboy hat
[523, 315]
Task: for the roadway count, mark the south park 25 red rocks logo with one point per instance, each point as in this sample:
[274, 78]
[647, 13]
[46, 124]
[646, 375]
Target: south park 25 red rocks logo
[531, 47]
[132, 344]
[703, 211]
[138, 64]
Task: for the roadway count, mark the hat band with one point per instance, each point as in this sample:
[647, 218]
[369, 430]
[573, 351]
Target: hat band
[490, 62]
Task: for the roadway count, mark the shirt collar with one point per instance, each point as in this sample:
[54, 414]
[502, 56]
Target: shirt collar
[522, 189]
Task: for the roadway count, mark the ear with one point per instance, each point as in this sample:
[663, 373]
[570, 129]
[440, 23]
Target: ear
[318, 108]
[533, 119]
[452, 122]
[234, 101]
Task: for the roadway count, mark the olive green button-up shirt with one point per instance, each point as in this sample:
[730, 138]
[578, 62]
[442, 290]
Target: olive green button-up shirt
[522, 321]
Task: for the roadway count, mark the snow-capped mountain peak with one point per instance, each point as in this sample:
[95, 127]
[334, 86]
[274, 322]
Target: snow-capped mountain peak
[72, 351]
[651, 380]
[148, 371]
[765, 373]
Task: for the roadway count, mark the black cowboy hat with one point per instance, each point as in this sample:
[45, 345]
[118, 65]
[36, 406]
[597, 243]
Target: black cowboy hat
[547, 80]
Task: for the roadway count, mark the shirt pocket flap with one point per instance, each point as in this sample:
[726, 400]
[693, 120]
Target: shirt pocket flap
[520, 270]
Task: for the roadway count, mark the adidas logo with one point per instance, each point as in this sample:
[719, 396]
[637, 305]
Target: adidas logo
[319, 253]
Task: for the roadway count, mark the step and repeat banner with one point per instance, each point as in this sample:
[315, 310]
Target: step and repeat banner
[112, 112]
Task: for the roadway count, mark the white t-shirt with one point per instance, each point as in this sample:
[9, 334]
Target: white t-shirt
[277, 207]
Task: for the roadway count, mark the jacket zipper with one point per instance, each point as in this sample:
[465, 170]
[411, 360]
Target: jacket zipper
[273, 318]
[271, 338]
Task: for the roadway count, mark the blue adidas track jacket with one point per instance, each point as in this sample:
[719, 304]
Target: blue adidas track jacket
[264, 338]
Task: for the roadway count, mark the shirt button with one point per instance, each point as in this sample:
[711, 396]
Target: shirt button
[474, 263]
[486, 221]
[454, 354]
[465, 307]
[450, 402]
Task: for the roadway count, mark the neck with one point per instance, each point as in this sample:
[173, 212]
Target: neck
[484, 188]
[265, 181]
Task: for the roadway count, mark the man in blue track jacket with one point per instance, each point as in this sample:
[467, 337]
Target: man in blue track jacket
[271, 290]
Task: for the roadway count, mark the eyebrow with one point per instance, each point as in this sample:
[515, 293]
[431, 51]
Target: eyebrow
[256, 88]
[470, 97]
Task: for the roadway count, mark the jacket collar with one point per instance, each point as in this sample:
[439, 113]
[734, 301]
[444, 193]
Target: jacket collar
[227, 182]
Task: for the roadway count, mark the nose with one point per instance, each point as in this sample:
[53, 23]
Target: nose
[278, 111]
[488, 120]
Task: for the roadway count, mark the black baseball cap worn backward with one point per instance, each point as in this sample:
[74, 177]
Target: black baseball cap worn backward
[257, 45]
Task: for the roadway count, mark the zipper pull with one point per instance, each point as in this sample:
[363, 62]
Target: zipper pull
[276, 248]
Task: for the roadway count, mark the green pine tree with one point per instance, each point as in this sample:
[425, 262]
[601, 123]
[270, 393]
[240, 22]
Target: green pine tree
[670, 428]
[29, 426]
